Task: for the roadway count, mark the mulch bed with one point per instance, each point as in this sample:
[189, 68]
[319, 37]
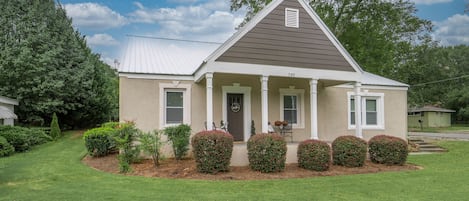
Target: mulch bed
[186, 169]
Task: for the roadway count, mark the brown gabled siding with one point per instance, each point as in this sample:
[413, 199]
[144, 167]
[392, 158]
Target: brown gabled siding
[271, 43]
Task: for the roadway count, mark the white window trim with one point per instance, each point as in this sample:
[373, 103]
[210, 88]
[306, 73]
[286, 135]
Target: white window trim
[300, 93]
[175, 86]
[379, 97]
[297, 11]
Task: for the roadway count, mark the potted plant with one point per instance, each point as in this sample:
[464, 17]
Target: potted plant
[285, 123]
[277, 123]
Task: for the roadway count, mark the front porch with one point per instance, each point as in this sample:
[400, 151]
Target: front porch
[240, 154]
[243, 99]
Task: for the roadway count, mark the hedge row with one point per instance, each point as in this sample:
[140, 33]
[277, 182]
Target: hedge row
[267, 152]
[20, 138]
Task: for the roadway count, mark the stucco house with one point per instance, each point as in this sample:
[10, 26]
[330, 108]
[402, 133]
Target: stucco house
[429, 116]
[7, 111]
[285, 64]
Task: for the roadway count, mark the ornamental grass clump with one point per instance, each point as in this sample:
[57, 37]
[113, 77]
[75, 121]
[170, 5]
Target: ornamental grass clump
[267, 153]
[349, 151]
[388, 150]
[212, 151]
[314, 155]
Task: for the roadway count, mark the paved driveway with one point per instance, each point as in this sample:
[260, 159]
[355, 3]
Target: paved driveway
[455, 136]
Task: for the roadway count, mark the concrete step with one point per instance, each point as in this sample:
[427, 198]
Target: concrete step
[432, 150]
[428, 146]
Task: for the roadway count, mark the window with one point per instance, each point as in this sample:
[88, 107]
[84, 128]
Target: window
[371, 114]
[174, 101]
[174, 113]
[292, 17]
[372, 105]
[292, 106]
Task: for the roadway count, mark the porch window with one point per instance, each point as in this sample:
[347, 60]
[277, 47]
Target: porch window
[292, 106]
[372, 111]
[174, 111]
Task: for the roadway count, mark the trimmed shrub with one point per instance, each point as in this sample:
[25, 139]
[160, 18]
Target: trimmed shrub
[179, 137]
[99, 141]
[388, 150]
[212, 151]
[314, 155]
[267, 152]
[38, 136]
[349, 151]
[111, 124]
[55, 132]
[16, 136]
[6, 148]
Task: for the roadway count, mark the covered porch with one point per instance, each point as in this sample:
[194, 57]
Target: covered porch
[239, 100]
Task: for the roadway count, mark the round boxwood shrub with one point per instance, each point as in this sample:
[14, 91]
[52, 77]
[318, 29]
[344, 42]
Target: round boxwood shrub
[349, 151]
[388, 150]
[212, 151]
[6, 148]
[100, 141]
[314, 155]
[267, 152]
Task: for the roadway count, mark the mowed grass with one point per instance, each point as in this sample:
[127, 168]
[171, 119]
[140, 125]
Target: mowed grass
[54, 172]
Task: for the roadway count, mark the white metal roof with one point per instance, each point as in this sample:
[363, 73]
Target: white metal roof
[429, 108]
[5, 113]
[372, 79]
[9, 101]
[168, 57]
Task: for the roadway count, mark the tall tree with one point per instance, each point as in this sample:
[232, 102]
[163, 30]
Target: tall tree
[379, 34]
[47, 66]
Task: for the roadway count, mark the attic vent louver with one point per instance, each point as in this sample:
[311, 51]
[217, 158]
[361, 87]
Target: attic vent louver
[292, 17]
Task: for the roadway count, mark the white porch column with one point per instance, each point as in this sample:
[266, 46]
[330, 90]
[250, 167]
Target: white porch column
[358, 110]
[313, 84]
[209, 99]
[265, 104]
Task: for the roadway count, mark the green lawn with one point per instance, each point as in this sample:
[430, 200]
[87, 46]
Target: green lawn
[54, 172]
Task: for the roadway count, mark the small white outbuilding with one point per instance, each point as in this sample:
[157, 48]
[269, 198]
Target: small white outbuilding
[7, 111]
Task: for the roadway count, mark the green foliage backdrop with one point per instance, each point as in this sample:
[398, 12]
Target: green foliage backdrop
[49, 68]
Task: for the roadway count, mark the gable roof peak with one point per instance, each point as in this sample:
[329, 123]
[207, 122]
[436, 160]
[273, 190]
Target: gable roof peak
[265, 12]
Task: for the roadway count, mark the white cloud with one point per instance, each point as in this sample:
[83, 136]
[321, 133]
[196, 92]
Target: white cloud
[453, 31]
[210, 21]
[430, 2]
[182, 1]
[101, 40]
[94, 16]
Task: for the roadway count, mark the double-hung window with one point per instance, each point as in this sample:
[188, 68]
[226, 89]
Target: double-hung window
[292, 106]
[372, 105]
[174, 104]
[174, 111]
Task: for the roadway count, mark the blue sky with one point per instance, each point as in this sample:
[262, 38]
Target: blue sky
[107, 22]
